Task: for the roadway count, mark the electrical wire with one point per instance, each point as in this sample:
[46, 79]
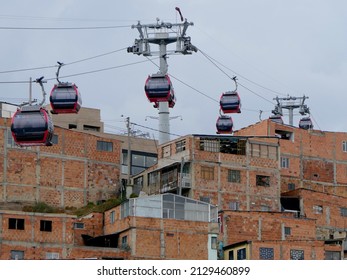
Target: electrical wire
[157, 130]
[64, 28]
[70, 63]
[79, 74]
[231, 78]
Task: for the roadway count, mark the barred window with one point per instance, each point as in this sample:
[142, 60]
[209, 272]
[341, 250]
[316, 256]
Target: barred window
[297, 254]
[266, 253]
[234, 176]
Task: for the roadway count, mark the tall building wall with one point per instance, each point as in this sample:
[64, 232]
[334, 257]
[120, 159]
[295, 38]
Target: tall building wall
[74, 171]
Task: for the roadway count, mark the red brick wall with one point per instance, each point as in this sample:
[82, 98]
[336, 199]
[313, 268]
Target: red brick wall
[70, 173]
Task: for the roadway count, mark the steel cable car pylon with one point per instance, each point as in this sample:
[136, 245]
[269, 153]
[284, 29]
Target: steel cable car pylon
[162, 34]
[65, 97]
[32, 125]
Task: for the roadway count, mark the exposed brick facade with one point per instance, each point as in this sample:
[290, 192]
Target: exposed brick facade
[72, 172]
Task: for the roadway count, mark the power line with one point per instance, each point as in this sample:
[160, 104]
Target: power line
[231, 78]
[157, 130]
[63, 28]
[79, 74]
[70, 63]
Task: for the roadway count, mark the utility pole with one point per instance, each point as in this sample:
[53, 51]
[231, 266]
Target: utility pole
[128, 187]
[163, 34]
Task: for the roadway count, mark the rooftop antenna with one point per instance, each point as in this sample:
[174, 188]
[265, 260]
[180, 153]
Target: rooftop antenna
[162, 34]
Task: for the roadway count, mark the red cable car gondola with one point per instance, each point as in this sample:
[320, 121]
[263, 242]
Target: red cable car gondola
[230, 102]
[65, 98]
[306, 123]
[224, 125]
[32, 126]
[159, 88]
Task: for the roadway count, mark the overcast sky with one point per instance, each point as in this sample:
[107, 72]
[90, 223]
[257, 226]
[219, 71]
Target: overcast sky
[274, 47]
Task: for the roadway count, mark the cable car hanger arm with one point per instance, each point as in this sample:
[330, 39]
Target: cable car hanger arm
[40, 81]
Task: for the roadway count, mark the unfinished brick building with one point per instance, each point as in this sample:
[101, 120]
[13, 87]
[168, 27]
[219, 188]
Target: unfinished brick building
[280, 191]
[79, 168]
[264, 171]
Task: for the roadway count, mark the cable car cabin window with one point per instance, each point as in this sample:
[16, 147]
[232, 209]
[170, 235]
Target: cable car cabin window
[104, 146]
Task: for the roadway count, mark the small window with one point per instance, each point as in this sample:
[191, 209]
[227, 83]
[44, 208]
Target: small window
[17, 255]
[52, 256]
[344, 146]
[104, 146]
[231, 255]
[207, 173]
[234, 205]
[332, 255]
[79, 225]
[180, 146]
[285, 135]
[266, 253]
[209, 146]
[72, 126]
[16, 223]
[291, 186]
[166, 150]
[112, 217]
[214, 242]
[241, 254]
[124, 241]
[318, 209]
[45, 225]
[263, 181]
[265, 208]
[234, 176]
[205, 199]
[297, 254]
[287, 231]
[284, 162]
[55, 139]
[343, 211]
[91, 127]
